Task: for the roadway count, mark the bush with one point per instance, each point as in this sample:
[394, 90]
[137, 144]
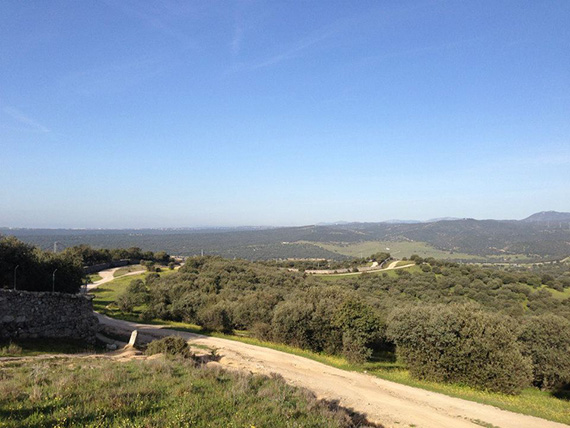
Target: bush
[461, 344]
[125, 302]
[10, 349]
[361, 327]
[546, 340]
[354, 348]
[171, 345]
[291, 324]
[215, 318]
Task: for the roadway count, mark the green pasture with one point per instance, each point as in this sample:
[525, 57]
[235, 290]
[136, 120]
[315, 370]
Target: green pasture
[401, 249]
[127, 269]
[106, 294]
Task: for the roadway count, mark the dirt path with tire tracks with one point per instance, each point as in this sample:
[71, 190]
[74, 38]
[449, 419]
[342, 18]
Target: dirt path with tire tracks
[384, 402]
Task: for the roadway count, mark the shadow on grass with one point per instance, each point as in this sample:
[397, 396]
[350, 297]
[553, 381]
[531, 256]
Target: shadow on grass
[562, 393]
[30, 347]
[358, 419]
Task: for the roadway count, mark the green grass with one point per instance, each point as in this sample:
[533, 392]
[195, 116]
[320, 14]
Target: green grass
[389, 272]
[41, 346]
[531, 401]
[127, 269]
[94, 277]
[560, 295]
[400, 249]
[159, 392]
[106, 294]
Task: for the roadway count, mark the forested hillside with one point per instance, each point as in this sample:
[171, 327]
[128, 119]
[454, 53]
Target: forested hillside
[535, 238]
[491, 328]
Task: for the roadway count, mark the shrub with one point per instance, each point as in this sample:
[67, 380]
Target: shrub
[361, 327]
[125, 302]
[546, 340]
[215, 318]
[461, 344]
[291, 324]
[170, 345]
[354, 348]
[10, 349]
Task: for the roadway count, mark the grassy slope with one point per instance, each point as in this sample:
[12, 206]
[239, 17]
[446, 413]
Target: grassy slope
[401, 249]
[33, 347]
[106, 294]
[531, 401]
[560, 295]
[124, 270]
[158, 392]
[390, 272]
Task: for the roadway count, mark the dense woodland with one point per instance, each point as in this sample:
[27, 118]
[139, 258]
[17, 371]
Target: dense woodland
[26, 267]
[491, 328]
[542, 237]
[494, 328]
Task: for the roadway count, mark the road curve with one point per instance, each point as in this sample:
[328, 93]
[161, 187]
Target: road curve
[384, 402]
[108, 276]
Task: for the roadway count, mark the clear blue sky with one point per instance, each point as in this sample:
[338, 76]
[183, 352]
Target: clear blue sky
[124, 113]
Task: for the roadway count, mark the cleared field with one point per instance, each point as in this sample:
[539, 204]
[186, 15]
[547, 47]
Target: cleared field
[342, 276]
[560, 295]
[400, 249]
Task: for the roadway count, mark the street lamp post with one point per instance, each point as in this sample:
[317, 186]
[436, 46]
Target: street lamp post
[15, 269]
[53, 281]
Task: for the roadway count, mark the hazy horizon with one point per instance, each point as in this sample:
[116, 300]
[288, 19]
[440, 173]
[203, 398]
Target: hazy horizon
[121, 114]
[261, 226]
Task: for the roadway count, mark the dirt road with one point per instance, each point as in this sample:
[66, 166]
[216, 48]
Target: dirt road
[108, 276]
[384, 402]
[345, 272]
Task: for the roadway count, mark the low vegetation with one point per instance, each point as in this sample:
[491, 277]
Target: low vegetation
[42, 346]
[159, 392]
[174, 346]
[474, 315]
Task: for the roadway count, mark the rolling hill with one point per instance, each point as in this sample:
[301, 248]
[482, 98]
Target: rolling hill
[542, 235]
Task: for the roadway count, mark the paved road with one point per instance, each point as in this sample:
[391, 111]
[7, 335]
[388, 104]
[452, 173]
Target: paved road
[388, 403]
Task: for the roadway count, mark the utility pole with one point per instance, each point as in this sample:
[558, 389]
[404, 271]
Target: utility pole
[15, 269]
[53, 281]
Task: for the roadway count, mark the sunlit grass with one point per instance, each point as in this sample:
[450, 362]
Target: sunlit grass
[531, 401]
[158, 393]
[127, 269]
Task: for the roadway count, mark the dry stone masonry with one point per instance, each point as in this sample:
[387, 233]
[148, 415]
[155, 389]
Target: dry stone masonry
[26, 314]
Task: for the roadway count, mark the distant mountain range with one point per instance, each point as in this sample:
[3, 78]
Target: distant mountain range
[547, 217]
[541, 235]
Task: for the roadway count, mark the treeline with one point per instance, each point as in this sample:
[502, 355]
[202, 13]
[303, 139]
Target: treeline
[224, 295]
[25, 267]
[324, 264]
[489, 328]
[89, 256]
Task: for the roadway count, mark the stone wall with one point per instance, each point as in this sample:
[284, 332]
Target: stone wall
[27, 314]
[112, 264]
